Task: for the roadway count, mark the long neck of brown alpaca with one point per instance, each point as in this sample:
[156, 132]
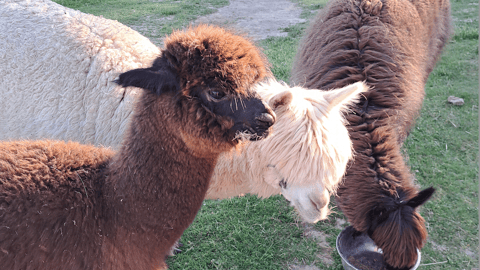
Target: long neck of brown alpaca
[156, 186]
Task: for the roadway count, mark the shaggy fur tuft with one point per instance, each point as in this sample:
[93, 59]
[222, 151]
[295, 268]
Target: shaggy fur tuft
[392, 45]
[219, 58]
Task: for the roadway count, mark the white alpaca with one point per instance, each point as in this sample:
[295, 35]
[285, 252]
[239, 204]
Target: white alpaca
[56, 82]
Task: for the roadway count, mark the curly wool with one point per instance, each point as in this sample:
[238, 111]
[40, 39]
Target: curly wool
[57, 71]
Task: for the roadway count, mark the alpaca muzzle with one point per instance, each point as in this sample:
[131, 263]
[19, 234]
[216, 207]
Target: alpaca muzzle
[310, 202]
[262, 123]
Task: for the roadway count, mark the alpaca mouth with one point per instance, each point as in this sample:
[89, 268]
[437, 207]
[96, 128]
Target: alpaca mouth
[259, 134]
[253, 130]
[311, 202]
[250, 134]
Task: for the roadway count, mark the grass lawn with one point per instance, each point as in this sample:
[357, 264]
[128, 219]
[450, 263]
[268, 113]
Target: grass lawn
[442, 150]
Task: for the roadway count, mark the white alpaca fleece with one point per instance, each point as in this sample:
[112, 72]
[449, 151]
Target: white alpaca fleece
[56, 71]
[57, 68]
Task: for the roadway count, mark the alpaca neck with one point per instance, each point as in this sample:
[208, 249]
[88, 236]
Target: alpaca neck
[155, 184]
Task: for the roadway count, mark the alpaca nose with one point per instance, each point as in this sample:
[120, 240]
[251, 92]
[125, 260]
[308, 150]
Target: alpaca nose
[266, 119]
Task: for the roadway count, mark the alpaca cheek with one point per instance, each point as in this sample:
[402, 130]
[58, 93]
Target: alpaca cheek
[225, 122]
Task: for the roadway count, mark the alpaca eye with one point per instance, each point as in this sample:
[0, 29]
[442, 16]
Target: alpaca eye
[216, 94]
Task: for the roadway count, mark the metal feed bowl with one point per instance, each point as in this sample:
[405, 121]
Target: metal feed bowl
[348, 245]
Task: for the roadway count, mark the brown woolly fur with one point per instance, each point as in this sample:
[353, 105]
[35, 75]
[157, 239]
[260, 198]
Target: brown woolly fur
[50, 194]
[392, 45]
[204, 54]
[71, 206]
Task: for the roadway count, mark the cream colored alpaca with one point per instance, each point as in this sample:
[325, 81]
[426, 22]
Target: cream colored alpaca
[56, 79]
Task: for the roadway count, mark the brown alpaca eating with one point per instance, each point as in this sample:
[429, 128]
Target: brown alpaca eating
[72, 206]
[393, 46]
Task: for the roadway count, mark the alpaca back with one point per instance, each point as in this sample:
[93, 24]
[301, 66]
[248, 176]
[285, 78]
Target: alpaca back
[397, 46]
[52, 187]
[57, 70]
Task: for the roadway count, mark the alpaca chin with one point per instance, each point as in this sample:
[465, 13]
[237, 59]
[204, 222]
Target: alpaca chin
[237, 150]
[244, 136]
[311, 203]
[310, 200]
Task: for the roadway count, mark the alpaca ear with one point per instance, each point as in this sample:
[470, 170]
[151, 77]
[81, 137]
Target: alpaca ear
[421, 197]
[280, 99]
[338, 98]
[159, 78]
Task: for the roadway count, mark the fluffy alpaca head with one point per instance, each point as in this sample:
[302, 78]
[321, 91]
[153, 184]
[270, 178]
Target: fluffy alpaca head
[398, 229]
[306, 155]
[209, 72]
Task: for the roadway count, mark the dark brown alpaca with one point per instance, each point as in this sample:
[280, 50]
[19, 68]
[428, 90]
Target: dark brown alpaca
[71, 206]
[392, 45]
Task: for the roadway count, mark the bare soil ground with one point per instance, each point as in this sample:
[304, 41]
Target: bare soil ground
[259, 19]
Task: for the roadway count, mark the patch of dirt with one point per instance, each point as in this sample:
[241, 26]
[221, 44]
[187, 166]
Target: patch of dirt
[325, 254]
[303, 267]
[441, 248]
[149, 27]
[259, 19]
[464, 20]
[471, 254]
